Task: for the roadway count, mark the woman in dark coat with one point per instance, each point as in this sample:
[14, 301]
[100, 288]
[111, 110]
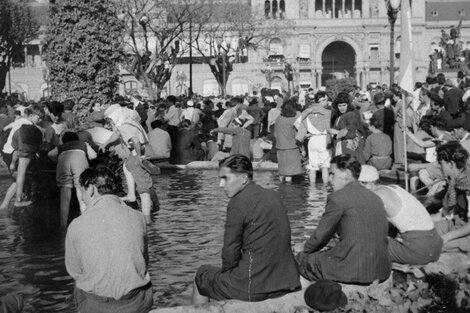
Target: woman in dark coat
[347, 128]
[288, 155]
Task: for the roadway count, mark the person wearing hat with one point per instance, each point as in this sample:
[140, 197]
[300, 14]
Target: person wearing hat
[418, 242]
[191, 114]
[384, 115]
[361, 254]
[452, 98]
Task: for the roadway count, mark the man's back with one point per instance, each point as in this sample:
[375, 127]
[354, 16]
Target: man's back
[361, 255]
[106, 252]
[160, 143]
[263, 261]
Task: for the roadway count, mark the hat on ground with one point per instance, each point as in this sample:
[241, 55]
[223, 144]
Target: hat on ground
[379, 98]
[325, 295]
[368, 174]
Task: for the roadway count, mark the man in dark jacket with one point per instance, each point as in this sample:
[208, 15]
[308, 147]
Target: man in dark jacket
[257, 260]
[361, 254]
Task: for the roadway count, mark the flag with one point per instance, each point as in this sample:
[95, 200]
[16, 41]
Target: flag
[407, 70]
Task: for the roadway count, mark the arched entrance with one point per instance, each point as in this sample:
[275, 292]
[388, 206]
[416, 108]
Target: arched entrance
[338, 60]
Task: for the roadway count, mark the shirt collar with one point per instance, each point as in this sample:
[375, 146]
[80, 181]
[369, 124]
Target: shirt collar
[108, 198]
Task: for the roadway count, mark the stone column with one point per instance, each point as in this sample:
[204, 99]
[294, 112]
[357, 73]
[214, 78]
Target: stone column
[26, 56]
[324, 8]
[365, 9]
[353, 7]
[343, 8]
[333, 13]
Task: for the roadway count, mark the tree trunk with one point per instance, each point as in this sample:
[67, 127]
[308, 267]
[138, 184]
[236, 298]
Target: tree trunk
[3, 76]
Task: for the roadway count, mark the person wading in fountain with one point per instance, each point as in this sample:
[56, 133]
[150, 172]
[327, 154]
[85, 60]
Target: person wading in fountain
[106, 250]
[257, 260]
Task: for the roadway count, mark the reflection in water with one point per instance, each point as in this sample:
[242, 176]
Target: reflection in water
[186, 233]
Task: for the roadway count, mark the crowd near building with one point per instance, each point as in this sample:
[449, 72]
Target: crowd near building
[344, 135]
[314, 42]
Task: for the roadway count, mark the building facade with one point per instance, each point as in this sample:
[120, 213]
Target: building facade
[334, 38]
[326, 38]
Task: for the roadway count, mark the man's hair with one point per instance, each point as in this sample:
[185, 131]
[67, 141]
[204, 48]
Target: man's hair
[319, 95]
[452, 151]
[156, 124]
[56, 108]
[69, 136]
[122, 101]
[439, 123]
[171, 99]
[101, 177]
[426, 122]
[347, 162]
[238, 163]
[184, 123]
[377, 123]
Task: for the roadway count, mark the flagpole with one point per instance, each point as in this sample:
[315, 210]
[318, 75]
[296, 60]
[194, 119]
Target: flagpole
[407, 69]
[404, 140]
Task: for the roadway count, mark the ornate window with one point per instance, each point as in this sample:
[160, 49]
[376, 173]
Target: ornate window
[275, 9]
[338, 8]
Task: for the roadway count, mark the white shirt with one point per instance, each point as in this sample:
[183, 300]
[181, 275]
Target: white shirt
[191, 114]
[14, 126]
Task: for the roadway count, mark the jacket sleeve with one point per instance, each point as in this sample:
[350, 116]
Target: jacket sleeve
[326, 228]
[233, 237]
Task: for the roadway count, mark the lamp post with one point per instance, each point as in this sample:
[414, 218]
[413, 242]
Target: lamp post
[392, 12]
[223, 53]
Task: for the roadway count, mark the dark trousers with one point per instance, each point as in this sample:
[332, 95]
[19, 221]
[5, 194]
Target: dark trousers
[139, 300]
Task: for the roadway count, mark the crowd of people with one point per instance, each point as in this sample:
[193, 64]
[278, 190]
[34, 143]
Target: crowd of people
[349, 138]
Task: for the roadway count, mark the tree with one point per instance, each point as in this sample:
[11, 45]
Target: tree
[335, 86]
[224, 32]
[17, 27]
[82, 51]
[152, 45]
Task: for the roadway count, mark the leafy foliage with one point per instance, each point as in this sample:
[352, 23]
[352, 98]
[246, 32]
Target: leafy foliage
[17, 27]
[83, 51]
[335, 86]
[436, 293]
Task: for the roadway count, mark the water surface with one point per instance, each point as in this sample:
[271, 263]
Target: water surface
[186, 233]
